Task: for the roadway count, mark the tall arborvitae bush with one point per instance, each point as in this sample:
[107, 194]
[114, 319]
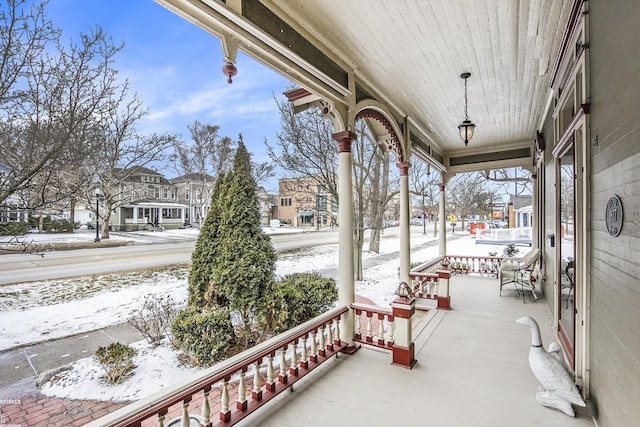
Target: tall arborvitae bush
[244, 271]
[232, 266]
[206, 251]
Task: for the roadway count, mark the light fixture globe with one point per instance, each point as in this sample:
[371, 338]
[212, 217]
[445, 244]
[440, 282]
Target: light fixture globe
[466, 130]
[466, 127]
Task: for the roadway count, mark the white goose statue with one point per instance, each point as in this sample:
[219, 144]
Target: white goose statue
[560, 389]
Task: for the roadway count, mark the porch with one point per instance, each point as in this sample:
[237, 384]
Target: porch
[472, 369]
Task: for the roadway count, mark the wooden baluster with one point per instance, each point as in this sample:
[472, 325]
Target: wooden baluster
[337, 338]
[256, 392]
[304, 362]
[225, 413]
[314, 347]
[293, 368]
[241, 404]
[356, 324]
[282, 377]
[271, 382]
[322, 350]
[381, 329]
[329, 336]
[206, 409]
[369, 337]
[185, 421]
[390, 329]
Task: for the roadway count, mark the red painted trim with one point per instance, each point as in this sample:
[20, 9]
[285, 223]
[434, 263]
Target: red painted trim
[295, 94]
[344, 140]
[442, 185]
[369, 113]
[444, 303]
[404, 168]
[404, 356]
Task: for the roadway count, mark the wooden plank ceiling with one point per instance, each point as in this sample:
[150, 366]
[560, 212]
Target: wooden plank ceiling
[411, 54]
[414, 51]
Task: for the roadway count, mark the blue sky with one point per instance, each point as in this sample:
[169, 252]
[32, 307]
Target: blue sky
[175, 68]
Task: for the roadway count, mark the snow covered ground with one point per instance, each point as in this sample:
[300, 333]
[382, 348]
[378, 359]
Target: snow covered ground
[33, 312]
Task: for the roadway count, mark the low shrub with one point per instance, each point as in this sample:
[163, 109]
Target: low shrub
[299, 297]
[13, 229]
[204, 335]
[153, 319]
[117, 361]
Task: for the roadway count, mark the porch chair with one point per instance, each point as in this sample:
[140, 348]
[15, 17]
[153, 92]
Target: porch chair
[522, 272]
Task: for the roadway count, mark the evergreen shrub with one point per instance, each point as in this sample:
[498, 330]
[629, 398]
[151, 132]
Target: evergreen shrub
[204, 335]
[300, 297]
[13, 229]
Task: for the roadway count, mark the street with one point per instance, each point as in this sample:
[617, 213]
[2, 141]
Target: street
[18, 268]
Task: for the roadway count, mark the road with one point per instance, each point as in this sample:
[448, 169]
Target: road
[21, 268]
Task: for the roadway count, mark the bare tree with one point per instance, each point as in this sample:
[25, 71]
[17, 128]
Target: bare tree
[468, 194]
[50, 108]
[306, 151]
[425, 188]
[203, 160]
[305, 147]
[511, 181]
[119, 151]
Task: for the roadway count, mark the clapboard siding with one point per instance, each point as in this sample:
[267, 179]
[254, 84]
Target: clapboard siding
[615, 262]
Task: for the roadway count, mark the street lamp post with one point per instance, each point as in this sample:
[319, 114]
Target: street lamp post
[97, 217]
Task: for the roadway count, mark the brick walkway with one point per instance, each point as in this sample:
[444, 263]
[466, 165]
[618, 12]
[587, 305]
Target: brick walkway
[39, 410]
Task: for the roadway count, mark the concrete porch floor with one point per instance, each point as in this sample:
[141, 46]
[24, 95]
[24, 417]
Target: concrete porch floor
[472, 370]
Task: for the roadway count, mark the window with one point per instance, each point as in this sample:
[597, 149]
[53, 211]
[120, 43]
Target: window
[157, 193]
[165, 193]
[285, 201]
[186, 194]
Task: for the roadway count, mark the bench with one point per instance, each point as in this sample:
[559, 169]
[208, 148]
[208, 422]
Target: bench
[521, 272]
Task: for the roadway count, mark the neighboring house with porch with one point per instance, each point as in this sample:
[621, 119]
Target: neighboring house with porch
[147, 201]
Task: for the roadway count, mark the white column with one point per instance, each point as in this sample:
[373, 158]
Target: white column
[135, 214]
[536, 215]
[443, 222]
[346, 286]
[405, 243]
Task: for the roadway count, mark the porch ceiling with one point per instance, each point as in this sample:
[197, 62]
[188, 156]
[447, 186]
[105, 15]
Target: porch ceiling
[409, 55]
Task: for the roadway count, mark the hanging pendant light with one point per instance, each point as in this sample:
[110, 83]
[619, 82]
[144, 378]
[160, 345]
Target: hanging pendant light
[466, 127]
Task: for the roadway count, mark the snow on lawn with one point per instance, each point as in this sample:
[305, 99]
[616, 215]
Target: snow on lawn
[56, 315]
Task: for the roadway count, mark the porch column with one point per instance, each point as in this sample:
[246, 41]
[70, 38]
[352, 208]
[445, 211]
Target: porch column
[135, 215]
[405, 244]
[535, 216]
[442, 241]
[346, 286]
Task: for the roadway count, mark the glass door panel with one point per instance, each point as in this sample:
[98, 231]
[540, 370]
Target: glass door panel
[566, 291]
